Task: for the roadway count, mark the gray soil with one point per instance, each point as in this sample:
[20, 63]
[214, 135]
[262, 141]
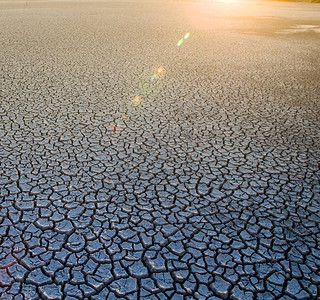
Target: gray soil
[207, 186]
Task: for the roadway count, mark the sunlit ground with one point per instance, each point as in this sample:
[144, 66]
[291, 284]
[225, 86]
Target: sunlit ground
[209, 14]
[226, 1]
[233, 14]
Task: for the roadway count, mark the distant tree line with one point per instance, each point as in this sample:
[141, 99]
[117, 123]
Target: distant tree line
[310, 1]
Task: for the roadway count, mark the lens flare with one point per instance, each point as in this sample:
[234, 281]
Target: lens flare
[183, 39]
[180, 42]
[146, 88]
[158, 72]
[136, 101]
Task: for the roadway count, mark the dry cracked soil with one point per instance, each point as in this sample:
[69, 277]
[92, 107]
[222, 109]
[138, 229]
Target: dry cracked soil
[201, 182]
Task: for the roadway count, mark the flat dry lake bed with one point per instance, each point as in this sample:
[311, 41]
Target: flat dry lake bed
[134, 168]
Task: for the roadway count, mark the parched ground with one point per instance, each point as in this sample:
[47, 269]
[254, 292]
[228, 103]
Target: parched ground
[202, 183]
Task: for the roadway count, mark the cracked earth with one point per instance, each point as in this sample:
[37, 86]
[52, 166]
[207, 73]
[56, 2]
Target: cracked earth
[206, 188]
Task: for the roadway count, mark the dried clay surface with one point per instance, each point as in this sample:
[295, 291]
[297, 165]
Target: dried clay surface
[133, 167]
